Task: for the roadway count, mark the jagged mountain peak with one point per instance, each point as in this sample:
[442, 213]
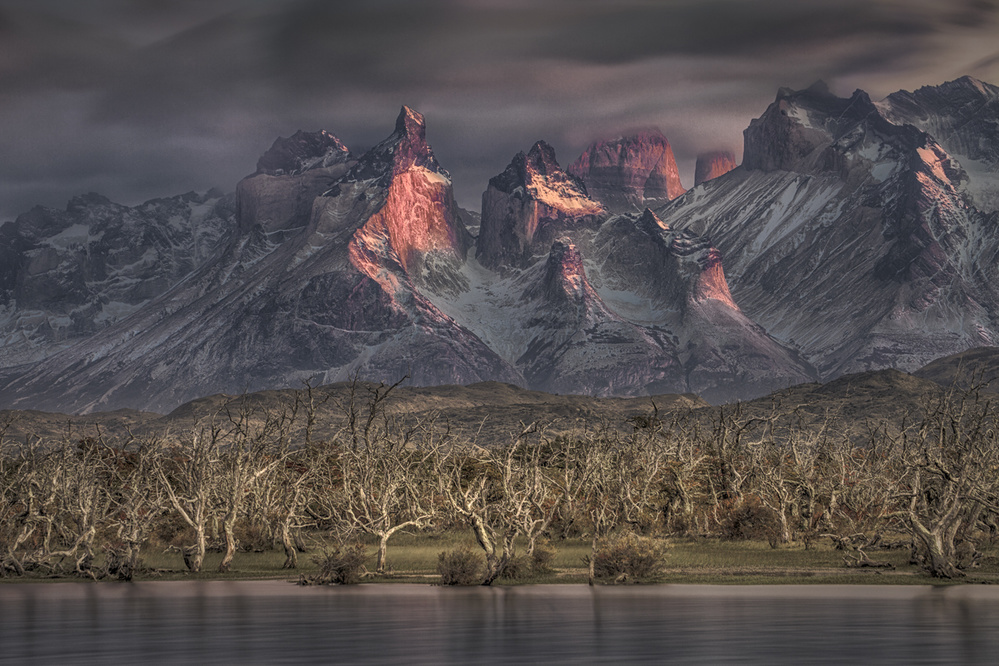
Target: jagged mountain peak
[406, 148]
[626, 173]
[290, 175]
[536, 168]
[961, 115]
[88, 200]
[850, 238]
[843, 196]
[411, 122]
[966, 84]
[410, 144]
[405, 200]
[301, 152]
[66, 275]
[652, 223]
[528, 205]
[565, 277]
[540, 160]
[812, 131]
[818, 90]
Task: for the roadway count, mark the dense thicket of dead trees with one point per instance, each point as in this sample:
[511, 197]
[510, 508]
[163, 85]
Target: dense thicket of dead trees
[247, 478]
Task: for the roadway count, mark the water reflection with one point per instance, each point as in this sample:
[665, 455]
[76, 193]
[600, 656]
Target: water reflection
[274, 622]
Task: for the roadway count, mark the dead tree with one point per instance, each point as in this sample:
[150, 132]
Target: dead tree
[607, 487]
[371, 476]
[728, 457]
[255, 444]
[187, 474]
[499, 492]
[283, 491]
[19, 506]
[138, 502]
[949, 466]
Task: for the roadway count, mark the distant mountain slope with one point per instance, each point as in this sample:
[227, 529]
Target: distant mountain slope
[323, 295]
[488, 412]
[962, 116]
[492, 413]
[855, 236]
[67, 274]
[978, 367]
[850, 238]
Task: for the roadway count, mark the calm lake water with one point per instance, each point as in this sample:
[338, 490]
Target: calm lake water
[273, 622]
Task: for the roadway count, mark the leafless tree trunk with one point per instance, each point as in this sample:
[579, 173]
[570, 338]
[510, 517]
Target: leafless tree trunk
[375, 471]
[501, 493]
[950, 475]
[188, 475]
[257, 442]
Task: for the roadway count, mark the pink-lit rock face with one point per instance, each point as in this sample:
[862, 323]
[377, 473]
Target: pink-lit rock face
[419, 214]
[691, 268]
[564, 278]
[403, 150]
[528, 205]
[709, 281]
[629, 173]
[713, 164]
[853, 237]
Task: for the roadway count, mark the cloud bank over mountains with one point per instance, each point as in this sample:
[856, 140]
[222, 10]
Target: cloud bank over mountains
[143, 99]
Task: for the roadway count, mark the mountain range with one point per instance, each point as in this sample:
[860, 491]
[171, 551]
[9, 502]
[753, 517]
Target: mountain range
[855, 235]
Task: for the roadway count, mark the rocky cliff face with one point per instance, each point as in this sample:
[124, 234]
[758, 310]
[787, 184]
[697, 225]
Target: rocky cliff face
[850, 238]
[961, 115]
[529, 205]
[672, 282]
[301, 152]
[814, 132]
[628, 174]
[284, 302]
[417, 216]
[289, 177]
[574, 340]
[713, 164]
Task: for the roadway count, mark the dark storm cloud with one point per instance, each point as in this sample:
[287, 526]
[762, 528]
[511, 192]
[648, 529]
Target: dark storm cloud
[147, 98]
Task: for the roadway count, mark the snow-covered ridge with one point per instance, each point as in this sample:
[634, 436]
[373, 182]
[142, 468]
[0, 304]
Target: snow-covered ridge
[850, 239]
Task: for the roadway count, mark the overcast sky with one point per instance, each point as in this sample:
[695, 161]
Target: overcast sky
[143, 98]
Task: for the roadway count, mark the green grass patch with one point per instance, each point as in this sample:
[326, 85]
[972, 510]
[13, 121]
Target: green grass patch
[413, 558]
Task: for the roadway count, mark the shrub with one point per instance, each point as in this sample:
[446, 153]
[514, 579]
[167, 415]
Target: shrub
[343, 565]
[749, 520]
[254, 537]
[537, 563]
[517, 568]
[459, 567]
[542, 557]
[119, 563]
[628, 556]
[170, 530]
